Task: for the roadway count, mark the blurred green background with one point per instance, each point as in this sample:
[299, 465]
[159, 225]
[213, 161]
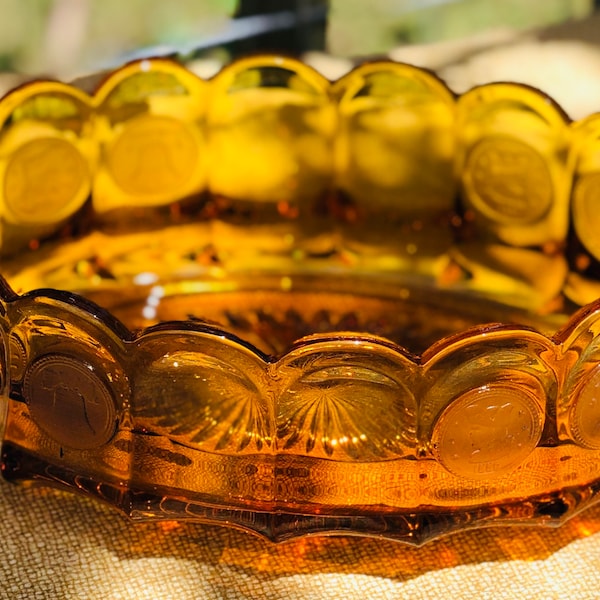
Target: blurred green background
[72, 37]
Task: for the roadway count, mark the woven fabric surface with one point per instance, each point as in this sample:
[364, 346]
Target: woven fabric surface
[57, 545]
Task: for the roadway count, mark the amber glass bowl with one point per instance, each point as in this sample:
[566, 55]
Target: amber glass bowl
[295, 306]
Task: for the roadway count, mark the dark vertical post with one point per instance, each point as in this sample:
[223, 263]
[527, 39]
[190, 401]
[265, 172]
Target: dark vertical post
[292, 26]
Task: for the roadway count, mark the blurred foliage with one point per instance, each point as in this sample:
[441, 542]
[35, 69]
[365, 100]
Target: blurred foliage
[375, 26]
[65, 35]
[73, 36]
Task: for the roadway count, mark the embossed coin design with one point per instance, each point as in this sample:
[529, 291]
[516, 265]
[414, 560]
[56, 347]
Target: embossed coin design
[46, 180]
[154, 155]
[586, 216]
[487, 431]
[70, 402]
[507, 181]
[585, 416]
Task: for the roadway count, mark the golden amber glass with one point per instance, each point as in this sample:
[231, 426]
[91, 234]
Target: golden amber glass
[513, 167]
[513, 163]
[394, 154]
[582, 286]
[585, 200]
[271, 126]
[297, 307]
[149, 124]
[47, 159]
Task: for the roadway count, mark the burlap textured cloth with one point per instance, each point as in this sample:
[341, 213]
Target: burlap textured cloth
[57, 545]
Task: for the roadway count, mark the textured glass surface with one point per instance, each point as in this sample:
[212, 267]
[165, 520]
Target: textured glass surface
[295, 306]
